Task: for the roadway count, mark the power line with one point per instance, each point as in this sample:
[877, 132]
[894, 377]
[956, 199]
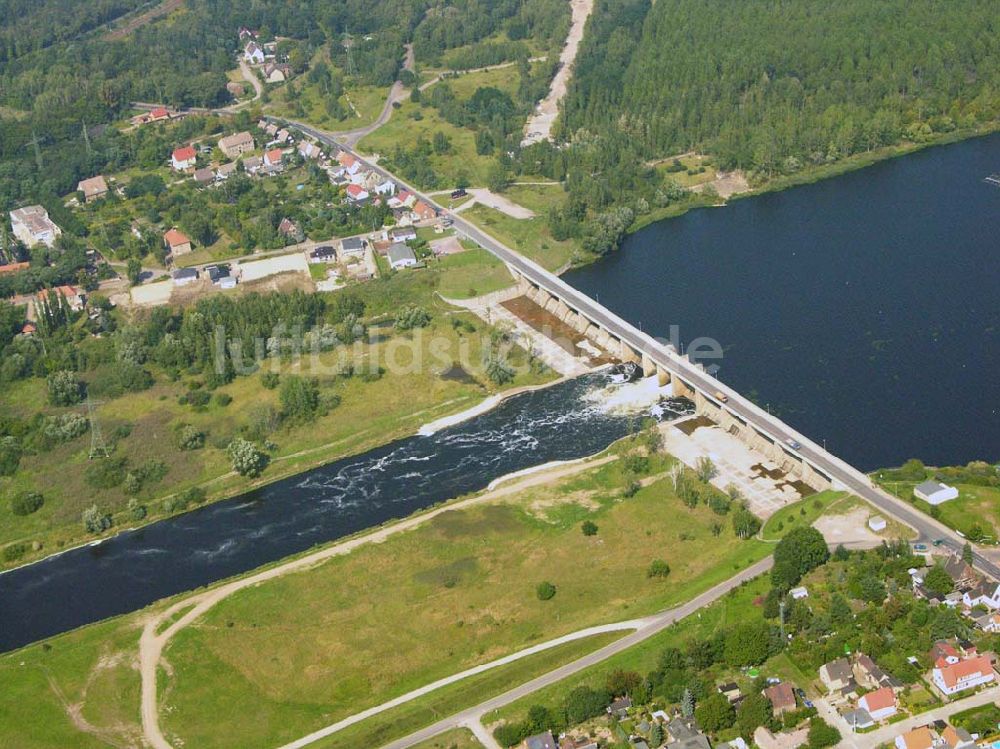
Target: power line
[98, 448]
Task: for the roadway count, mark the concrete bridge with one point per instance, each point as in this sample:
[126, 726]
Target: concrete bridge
[765, 433]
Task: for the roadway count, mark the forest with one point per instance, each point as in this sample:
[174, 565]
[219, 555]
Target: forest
[774, 87]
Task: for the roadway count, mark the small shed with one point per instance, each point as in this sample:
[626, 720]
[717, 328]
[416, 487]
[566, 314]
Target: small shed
[876, 523]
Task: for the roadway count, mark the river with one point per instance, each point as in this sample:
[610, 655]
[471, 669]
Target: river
[572, 419]
[863, 309]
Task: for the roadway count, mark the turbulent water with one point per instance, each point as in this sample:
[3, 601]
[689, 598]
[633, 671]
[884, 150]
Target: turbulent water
[569, 420]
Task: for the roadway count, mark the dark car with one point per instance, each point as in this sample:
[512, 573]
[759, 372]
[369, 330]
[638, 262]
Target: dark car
[459, 193]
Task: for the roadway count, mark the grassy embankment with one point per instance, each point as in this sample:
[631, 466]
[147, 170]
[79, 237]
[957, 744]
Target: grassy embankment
[371, 412]
[453, 593]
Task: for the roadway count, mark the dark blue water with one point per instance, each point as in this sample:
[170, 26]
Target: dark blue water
[865, 309]
[136, 568]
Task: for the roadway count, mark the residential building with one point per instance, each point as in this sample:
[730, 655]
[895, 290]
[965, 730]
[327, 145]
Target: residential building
[871, 676]
[384, 186]
[252, 164]
[943, 653]
[961, 572]
[765, 739]
[323, 254]
[247, 34]
[540, 741]
[277, 72]
[204, 176]
[184, 276]
[177, 242]
[356, 193]
[731, 691]
[956, 738]
[290, 229]
[401, 234]
[799, 593]
[880, 704]
[237, 144]
[158, 114]
[837, 674]
[620, 707]
[273, 158]
[253, 53]
[33, 226]
[349, 161]
[310, 150]
[424, 211]
[577, 742]
[934, 492]
[14, 267]
[967, 674]
[225, 170]
[352, 246]
[982, 594]
[401, 256]
[219, 275]
[918, 738]
[74, 298]
[989, 622]
[282, 136]
[858, 719]
[93, 189]
[782, 698]
[183, 159]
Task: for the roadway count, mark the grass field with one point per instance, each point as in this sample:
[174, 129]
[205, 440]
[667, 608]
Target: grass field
[530, 237]
[453, 593]
[975, 505]
[460, 738]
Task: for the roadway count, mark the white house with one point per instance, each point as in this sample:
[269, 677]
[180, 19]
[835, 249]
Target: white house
[982, 594]
[967, 674]
[799, 593]
[880, 704]
[32, 226]
[184, 276]
[253, 54]
[183, 158]
[352, 247]
[401, 256]
[356, 193]
[386, 187]
[934, 492]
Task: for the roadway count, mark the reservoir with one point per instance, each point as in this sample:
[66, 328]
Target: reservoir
[571, 419]
[864, 310]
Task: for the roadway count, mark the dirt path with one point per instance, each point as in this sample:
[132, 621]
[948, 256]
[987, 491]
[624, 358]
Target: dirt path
[152, 642]
[143, 18]
[539, 125]
[501, 203]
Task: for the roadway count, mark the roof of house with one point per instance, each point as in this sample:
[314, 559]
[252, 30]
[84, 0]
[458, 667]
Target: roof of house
[287, 226]
[204, 175]
[880, 699]
[174, 237]
[952, 674]
[954, 737]
[541, 741]
[859, 717]
[324, 251]
[352, 243]
[399, 252]
[781, 695]
[64, 290]
[839, 670]
[14, 267]
[226, 169]
[729, 686]
[929, 487]
[93, 186]
[236, 139]
[356, 190]
[184, 154]
[918, 738]
[346, 159]
[252, 162]
[957, 568]
[182, 273]
[159, 112]
[274, 155]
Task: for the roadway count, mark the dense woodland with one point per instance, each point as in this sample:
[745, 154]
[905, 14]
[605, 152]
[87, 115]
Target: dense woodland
[773, 87]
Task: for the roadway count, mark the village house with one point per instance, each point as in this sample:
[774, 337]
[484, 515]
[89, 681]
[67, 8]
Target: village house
[253, 53]
[423, 211]
[961, 572]
[273, 158]
[247, 34]
[869, 675]
[74, 298]
[384, 186]
[323, 254]
[14, 267]
[577, 742]
[943, 653]
[350, 163]
[400, 234]
[252, 164]
[237, 144]
[540, 741]
[225, 170]
[401, 256]
[989, 622]
[93, 189]
[731, 691]
[32, 225]
[356, 193]
[934, 492]
[177, 242]
[310, 150]
[204, 176]
[968, 674]
[858, 719]
[837, 675]
[956, 738]
[220, 276]
[982, 594]
[799, 593]
[183, 159]
[352, 247]
[282, 136]
[290, 229]
[782, 698]
[620, 707]
[184, 276]
[277, 72]
[918, 738]
[765, 739]
[880, 704]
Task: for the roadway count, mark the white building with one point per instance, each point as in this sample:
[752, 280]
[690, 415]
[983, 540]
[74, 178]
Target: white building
[253, 54]
[967, 674]
[876, 523]
[33, 226]
[934, 492]
[401, 256]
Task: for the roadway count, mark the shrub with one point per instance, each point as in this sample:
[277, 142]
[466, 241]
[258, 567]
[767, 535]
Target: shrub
[26, 503]
[10, 456]
[223, 399]
[410, 316]
[658, 568]
[589, 528]
[65, 427]
[64, 388]
[190, 438]
[136, 510]
[545, 591]
[106, 473]
[270, 380]
[299, 398]
[246, 459]
[95, 520]
[13, 552]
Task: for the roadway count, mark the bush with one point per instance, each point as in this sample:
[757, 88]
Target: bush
[545, 591]
[270, 380]
[822, 734]
[658, 568]
[106, 473]
[299, 398]
[14, 552]
[589, 528]
[410, 316]
[246, 459]
[190, 438]
[64, 388]
[26, 503]
[95, 520]
[65, 427]
[10, 456]
[223, 399]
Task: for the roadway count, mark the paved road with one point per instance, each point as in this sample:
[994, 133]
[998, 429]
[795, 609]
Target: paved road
[843, 474]
[652, 625]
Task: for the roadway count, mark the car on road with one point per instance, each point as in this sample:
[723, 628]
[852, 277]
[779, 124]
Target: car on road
[794, 444]
[721, 396]
[920, 547]
[459, 193]
[938, 541]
